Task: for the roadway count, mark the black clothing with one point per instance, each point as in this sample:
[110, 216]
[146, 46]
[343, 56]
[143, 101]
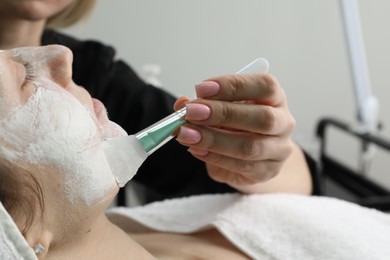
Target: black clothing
[169, 172]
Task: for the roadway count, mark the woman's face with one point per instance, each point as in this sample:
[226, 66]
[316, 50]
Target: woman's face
[52, 127]
[32, 9]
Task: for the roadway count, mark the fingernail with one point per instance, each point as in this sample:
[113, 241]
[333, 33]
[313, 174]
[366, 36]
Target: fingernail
[188, 135]
[197, 111]
[207, 89]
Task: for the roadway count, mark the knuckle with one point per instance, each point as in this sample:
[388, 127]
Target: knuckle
[289, 124]
[245, 168]
[252, 149]
[227, 115]
[218, 159]
[244, 179]
[267, 119]
[239, 83]
[271, 84]
[208, 141]
[292, 123]
[232, 86]
[270, 170]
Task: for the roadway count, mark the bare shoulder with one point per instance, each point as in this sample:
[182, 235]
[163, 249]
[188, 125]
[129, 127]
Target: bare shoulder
[205, 244]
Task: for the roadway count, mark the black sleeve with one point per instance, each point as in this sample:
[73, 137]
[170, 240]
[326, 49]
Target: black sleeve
[315, 174]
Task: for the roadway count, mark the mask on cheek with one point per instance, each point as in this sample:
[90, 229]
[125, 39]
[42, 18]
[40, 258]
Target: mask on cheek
[53, 128]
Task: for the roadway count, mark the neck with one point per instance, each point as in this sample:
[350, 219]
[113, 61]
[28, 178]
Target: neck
[103, 241]
[19, 33]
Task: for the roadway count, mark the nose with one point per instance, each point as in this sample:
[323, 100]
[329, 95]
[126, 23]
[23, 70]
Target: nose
[59, 63]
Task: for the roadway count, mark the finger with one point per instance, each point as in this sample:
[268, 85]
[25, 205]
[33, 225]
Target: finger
[247, 117]
[238, 172]
[180, 103]
[260, 87]
[237, 145]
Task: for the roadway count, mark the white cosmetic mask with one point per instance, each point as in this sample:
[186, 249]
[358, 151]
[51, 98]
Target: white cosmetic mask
[54, 129]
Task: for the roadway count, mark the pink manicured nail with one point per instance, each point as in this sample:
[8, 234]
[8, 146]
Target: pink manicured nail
[197, 111]
[188, 135]
[207, 89]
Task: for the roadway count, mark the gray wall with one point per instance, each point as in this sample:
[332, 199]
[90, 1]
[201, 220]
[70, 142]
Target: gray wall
[302, 39]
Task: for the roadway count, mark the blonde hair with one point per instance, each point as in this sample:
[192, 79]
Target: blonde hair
[76, 11]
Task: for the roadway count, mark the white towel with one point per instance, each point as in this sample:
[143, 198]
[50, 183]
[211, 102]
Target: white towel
[13, 246]
[276, 226]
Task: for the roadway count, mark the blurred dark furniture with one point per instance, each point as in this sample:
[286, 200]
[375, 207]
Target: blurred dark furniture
[338, 180]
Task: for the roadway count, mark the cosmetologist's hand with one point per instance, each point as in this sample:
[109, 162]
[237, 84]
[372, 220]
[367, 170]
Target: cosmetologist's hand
[240, 126]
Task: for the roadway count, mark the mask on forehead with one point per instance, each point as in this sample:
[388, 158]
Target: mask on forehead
[54, 129]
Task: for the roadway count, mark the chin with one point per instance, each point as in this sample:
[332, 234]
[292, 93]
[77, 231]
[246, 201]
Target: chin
[108, 200]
